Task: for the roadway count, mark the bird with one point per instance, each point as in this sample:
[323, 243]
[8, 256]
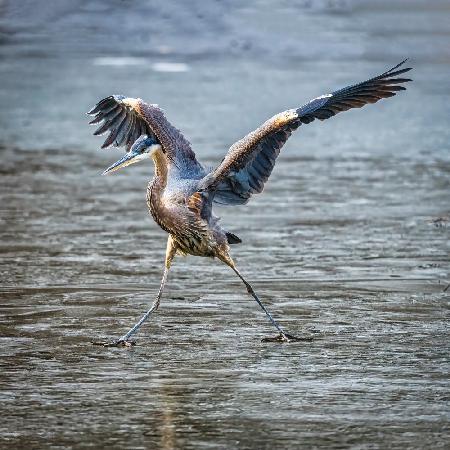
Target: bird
[182, 193]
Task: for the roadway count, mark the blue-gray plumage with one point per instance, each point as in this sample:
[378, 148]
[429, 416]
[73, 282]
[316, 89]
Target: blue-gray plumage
[181, 195]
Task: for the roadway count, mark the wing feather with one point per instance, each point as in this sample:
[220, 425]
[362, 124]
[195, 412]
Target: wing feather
[250, 161]
[127, 118]
[124, 132]
[120, 122]
[121, 118]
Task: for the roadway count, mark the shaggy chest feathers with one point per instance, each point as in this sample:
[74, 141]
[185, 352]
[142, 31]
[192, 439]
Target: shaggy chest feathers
[178, 218]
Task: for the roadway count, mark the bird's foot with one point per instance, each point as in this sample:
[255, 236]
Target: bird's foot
[284, 337]
[118, 343]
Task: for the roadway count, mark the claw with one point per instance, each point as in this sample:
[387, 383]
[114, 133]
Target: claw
[284, 337]
[118, 343]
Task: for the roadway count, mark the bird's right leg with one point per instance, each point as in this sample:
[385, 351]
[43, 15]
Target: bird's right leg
[124, 340]
[282, 336]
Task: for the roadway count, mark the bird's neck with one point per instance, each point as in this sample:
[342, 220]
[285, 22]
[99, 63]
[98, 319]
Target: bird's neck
[158, 184]
[161, 167]
[156, 188]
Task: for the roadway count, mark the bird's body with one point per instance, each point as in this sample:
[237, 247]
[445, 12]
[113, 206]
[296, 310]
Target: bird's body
[182, 193]
[172, 196]
[176, 210]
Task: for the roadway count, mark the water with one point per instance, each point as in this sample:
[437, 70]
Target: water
[349, 239]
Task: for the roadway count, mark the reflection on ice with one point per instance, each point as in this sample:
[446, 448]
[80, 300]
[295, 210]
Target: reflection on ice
[120, 61]
[128, 61]
[170, 67]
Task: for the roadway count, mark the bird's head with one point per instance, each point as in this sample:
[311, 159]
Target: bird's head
[143, 148]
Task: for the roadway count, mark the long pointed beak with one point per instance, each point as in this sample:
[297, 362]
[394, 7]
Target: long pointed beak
[126, 160]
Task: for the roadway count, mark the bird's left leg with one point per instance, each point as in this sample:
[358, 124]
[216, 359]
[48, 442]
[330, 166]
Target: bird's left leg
[124, 340]
[282, 336]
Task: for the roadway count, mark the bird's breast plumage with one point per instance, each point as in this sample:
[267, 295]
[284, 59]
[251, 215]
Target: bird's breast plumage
[171, 211]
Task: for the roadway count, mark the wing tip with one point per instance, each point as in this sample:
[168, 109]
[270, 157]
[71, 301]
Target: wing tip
[106, 144]
[96, 119]
[104, 101]
[393, 71]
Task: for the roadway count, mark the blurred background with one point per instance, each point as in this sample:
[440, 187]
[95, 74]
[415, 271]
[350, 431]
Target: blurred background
[350, 237]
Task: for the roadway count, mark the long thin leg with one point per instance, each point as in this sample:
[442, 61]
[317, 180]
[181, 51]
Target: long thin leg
[134, 329]
[283, 336]
[123, 341]
[253, 294]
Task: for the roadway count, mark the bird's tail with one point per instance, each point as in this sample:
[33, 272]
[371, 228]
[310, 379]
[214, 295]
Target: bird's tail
[232, 238]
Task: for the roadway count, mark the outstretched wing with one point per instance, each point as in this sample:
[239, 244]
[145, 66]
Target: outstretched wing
[249, 162]
[128, 118]
[122, 119]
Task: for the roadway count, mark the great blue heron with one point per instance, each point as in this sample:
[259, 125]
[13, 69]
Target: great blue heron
[182, 193]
